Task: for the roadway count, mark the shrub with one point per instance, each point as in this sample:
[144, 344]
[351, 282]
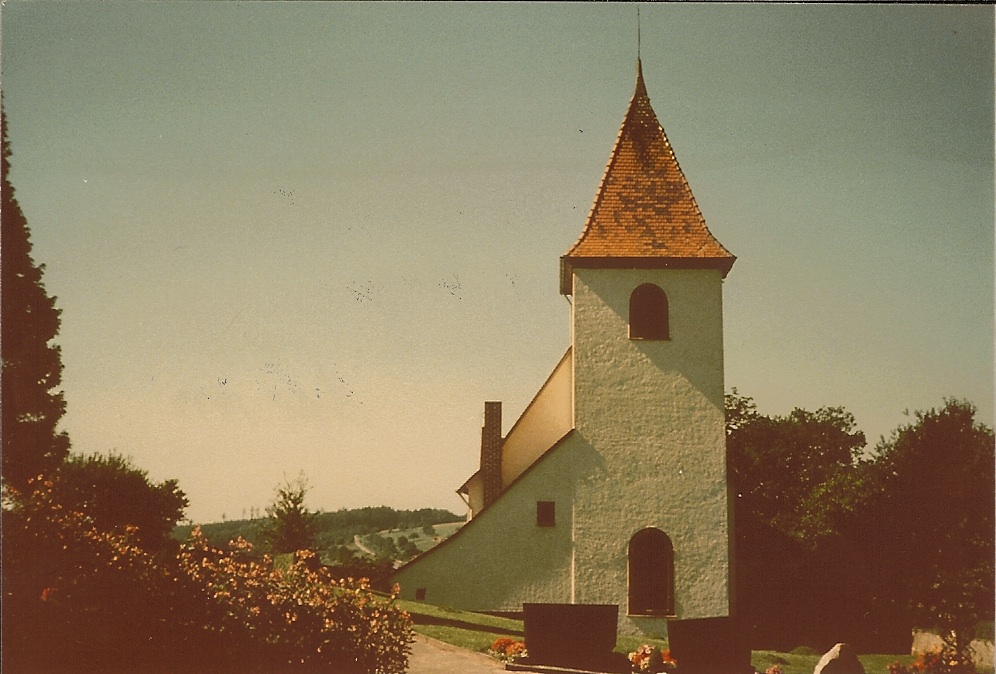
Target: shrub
[298, 619]
[80, 599]
[115, 494]
[77, 599]
[343, 564]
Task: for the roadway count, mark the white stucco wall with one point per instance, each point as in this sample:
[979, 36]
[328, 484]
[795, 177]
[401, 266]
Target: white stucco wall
[652, 414]
[544, 421]
[500, 558]
[648, 450]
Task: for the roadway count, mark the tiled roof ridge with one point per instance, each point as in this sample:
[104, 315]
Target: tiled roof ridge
[613, 157]
[644, 208]
[691, 194]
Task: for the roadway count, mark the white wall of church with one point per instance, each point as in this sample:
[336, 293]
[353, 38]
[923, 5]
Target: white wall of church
[501, 558]
[650, 415]
[648, 450]
[545, 420]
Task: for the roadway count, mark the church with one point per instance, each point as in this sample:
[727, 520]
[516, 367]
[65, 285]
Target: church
[611, 487]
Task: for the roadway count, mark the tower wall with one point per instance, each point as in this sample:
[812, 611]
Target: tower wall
[652, 413]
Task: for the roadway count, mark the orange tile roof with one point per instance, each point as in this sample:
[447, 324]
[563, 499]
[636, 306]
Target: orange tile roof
[644, 213]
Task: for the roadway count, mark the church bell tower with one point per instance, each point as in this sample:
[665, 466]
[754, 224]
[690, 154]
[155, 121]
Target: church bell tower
[646, 279]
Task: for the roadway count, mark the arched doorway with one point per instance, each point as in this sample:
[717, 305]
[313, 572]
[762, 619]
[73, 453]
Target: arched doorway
[651, 573]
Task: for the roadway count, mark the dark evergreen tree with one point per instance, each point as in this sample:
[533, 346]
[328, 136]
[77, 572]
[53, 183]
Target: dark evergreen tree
[32, 364]
[291, 526]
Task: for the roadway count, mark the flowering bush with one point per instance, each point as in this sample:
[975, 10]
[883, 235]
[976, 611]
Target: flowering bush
[77, 599]
[507, 649]
[774, 669]
[648, 658]
[80, 599]
[300, 618]
[944, 661]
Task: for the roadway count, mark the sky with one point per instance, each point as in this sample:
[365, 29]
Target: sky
[316, 237]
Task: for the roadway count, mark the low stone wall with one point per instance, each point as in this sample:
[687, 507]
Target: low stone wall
[925, 642]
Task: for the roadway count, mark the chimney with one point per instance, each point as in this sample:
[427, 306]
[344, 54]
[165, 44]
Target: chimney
[491, 452]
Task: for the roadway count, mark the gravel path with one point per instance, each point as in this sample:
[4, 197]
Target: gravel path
[435, 657]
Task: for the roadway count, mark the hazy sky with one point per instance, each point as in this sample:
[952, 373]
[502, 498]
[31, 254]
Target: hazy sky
[300, 236]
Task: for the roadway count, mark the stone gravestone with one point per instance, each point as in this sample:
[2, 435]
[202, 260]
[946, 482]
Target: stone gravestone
[578, 636]
[709, 646]
[841, 659]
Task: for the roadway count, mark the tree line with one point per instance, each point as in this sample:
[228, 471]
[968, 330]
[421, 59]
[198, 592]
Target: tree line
[836, 541]
[326, 530]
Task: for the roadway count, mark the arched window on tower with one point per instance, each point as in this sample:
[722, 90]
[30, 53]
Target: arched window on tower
[648, 313]
[651, 573]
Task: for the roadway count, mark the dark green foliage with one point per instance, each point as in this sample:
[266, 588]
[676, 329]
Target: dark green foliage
[339, 527]
[220, 533]
[406, 548]
[76, 599]
[929, 518]
[32, 365]
[777, 463]
[383, 546]
[833, 545]
[793, 586]
[114, 494]
[291, 526]
[342, 563]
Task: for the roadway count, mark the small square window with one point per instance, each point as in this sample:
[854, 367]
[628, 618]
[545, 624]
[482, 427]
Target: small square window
[546, 514]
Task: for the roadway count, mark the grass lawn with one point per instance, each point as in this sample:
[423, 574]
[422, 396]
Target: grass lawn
[477, 631]
[473, 631]
[801, 663]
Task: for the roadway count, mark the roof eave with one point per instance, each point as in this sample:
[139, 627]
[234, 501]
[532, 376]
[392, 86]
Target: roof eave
[569, 263]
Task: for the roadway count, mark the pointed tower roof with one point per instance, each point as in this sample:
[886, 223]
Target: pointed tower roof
[644, 215]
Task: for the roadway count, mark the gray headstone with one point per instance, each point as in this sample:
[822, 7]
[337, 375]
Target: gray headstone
[841, 659]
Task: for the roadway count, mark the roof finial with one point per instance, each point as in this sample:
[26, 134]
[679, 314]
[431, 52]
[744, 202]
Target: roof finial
[638, 33]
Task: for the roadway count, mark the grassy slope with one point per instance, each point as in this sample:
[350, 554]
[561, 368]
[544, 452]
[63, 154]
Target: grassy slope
[420, 539]
[476, 632]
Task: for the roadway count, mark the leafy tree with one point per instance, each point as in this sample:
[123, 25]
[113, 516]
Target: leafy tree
[777, 463]
[291, 527]
[406, 548]
[927, 519]
[740, 411]
[32, 365]
[79, 599]
[383, 547]
[114, 494]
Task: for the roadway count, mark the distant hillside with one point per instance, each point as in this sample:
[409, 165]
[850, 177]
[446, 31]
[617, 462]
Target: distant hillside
[335, 529]
[400, 545]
